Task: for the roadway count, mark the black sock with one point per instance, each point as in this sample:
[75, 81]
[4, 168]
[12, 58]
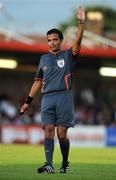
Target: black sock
[49, 149]
[64, 146]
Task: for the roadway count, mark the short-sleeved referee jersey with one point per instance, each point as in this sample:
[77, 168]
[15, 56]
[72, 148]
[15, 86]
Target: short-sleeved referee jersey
[56, 71]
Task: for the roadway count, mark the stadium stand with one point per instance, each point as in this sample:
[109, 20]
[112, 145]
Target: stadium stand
[95, 96]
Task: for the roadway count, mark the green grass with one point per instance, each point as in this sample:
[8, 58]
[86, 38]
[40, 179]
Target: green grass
[19, 162]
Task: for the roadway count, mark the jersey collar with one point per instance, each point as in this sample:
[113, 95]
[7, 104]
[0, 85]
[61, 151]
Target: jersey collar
[50, 52]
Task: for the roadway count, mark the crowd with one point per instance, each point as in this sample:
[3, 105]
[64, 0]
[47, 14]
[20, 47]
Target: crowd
[89, 110]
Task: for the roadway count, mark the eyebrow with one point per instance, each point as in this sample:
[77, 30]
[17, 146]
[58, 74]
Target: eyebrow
[53, 39]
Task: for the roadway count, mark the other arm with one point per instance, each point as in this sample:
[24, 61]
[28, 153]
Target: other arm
[35, 87]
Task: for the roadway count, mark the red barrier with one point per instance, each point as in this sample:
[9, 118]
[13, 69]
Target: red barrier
[22, 134]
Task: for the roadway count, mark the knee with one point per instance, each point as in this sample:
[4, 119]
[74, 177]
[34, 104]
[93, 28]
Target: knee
[49, 131]
[62, 136]
[62, 133]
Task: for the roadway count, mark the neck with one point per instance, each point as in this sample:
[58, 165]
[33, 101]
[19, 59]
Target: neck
[55, 52]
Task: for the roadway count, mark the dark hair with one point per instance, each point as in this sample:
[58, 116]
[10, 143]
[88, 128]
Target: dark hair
[57, 31]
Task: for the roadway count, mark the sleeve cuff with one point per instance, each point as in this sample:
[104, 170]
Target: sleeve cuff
[75, 52]
[38, 79]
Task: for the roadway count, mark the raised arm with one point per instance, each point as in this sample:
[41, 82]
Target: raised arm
[80, 14]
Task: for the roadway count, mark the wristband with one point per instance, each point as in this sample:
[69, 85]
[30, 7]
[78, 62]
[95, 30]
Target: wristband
[81, 21]
[29, 100]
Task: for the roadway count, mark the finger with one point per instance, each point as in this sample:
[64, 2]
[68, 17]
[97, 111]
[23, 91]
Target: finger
[21, 113]
[80, 9]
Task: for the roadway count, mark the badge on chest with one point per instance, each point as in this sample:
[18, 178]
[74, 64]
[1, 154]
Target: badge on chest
[60, 63]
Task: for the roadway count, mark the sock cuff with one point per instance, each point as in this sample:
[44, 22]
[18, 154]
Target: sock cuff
[62, 140]
[49, 140]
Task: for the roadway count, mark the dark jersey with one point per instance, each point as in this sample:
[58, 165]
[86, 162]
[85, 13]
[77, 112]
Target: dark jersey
[56, 71]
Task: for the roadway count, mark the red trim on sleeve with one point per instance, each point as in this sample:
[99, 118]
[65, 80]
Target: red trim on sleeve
[38, 79]
[66, 80]
[75, 52]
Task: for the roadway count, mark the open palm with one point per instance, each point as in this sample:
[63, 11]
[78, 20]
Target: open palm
[80, 13]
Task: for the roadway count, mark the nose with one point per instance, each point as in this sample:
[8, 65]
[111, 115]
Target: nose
[52, 43]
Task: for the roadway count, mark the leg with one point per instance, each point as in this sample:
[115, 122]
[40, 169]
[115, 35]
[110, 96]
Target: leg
[64, 146]
[48, 118]
[65, 119]
[49, 131]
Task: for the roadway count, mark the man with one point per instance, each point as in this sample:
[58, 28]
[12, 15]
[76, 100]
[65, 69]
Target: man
[54, 77]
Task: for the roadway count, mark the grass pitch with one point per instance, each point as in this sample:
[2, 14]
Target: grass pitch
[19, 162]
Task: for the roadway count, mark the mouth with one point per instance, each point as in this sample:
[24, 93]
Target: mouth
[52, 47]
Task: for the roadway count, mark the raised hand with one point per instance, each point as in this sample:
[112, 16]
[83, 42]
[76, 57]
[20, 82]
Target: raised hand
[80, 13]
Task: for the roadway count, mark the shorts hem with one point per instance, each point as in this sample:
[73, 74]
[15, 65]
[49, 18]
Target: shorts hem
[68, 126]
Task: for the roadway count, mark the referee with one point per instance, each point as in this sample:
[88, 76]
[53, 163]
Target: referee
[54, 79]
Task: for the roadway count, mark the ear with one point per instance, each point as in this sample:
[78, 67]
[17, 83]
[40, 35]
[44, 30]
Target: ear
[61, 41]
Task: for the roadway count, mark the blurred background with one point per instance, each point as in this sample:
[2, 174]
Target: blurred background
[23, 27]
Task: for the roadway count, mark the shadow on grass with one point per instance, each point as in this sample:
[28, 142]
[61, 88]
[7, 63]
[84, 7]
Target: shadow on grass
[77, 171]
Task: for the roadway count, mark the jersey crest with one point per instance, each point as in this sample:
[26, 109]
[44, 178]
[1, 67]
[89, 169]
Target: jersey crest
[60, 63]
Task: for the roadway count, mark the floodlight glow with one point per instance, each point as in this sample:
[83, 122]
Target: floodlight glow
[94, 15]
[8, 63]
[107, 71]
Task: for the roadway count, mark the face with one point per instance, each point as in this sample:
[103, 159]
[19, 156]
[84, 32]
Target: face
[54, 42]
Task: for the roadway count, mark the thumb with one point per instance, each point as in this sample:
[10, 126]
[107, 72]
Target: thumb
[22, 110]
